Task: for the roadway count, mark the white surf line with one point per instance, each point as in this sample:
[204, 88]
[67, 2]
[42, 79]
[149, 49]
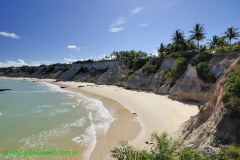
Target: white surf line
[93, 140]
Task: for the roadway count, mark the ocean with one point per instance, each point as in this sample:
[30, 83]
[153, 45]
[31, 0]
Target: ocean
[42, 116]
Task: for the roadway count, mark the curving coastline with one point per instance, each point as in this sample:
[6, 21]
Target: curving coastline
[137, 114]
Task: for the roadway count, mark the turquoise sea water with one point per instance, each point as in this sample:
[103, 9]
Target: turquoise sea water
[38, 115]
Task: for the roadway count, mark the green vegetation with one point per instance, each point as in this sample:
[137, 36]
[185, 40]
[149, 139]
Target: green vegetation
[152, 65]
[218, 44]
[91, 79]
[178, 68]
[28, 69]
[231, 33]
[66, 67]
[231, 96]
[164, 148]
[198, 34]
[138, 63]
[204, 73]
[200, 61]
[202, 57]
[129, 56]
[49, 69]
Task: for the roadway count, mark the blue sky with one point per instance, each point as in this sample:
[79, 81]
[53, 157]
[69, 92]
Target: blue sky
[48, 31]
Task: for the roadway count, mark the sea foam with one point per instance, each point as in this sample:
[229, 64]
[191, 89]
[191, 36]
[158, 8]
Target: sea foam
[99, 116]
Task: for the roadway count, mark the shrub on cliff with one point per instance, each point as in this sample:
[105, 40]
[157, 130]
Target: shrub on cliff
[178, 68]
[202, 57]
[137, 64]
[152, 65]
[231, 94]
[204, 73]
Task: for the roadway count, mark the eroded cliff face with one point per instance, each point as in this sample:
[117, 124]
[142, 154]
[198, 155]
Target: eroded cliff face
[213, 126]
[189, 87]
[156, 82]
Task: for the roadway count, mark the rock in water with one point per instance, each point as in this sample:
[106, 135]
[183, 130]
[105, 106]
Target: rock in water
[1, 90]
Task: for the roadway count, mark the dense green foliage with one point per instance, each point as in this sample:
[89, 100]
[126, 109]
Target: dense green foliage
[28, 69]
[138, 63]
[164, 148]
[202, 57]
[204, 73]
[198, 33]
[152, 65]
[218, 44]
[129, 56]
[178, 68]
[200, 61]
[231, 94]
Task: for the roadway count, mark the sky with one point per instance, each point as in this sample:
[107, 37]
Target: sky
[34, 32]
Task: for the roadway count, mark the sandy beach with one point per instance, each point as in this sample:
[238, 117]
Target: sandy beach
[138, 114]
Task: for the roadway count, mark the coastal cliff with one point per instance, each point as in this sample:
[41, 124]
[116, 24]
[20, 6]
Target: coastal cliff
[190, 85]
[216, 124]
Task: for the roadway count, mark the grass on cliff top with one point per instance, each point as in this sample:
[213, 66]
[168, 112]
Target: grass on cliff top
[164, 148]
[231, 94]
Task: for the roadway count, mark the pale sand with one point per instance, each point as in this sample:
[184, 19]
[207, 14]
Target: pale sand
[155, 113]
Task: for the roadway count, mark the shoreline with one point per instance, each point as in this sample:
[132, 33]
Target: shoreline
[139, 114]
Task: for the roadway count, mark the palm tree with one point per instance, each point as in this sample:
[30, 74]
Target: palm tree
[231, 33]
[178, 40]
[161, 50]
[198, 33]
[222, 42]
[214, 42]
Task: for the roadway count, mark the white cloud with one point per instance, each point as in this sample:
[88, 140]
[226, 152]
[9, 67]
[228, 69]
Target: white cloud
[73, 47]
[136, 11]
[70, 60]
[17, 63]
[117, 26]
[116, 29]
[9, 35]
[21, 62]
[120, 21]
[143, 24]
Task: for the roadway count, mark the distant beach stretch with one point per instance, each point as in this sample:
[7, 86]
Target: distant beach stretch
[135, 115]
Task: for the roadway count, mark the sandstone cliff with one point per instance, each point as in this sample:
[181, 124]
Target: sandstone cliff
[213, 126]
[188, 87]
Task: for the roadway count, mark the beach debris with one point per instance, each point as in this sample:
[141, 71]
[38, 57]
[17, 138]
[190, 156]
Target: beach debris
[56, 80]
[80, 86]
[63, 87]
[135, 114]
[1, 90]
[148, 142]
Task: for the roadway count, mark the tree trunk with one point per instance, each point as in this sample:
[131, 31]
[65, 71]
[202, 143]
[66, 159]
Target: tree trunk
[198, 46]
[230, 45]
